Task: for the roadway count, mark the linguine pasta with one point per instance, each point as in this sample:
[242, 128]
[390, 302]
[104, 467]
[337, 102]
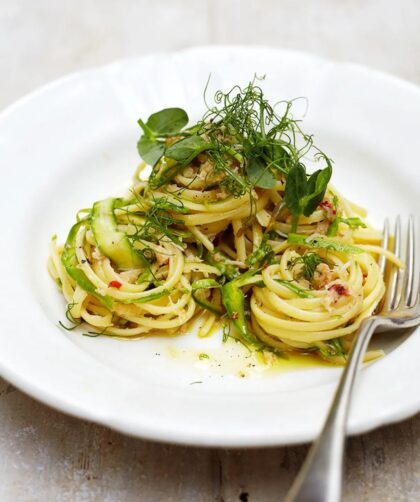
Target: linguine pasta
[228, 230]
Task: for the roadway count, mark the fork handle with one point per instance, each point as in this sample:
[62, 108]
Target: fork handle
[320, 477]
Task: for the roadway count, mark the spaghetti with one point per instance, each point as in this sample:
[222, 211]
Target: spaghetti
[230, 229]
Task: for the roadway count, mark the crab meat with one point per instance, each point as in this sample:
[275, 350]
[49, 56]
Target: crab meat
[207, 172]
[322, 276]
[322, 227]
[130, 275]
[162, 259]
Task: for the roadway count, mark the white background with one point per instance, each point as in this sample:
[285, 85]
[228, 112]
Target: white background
[43, 39]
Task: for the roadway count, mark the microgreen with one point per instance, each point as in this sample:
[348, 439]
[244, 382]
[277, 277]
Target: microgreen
[69, 316]
[303, 194]
[246, 140]
[309, 262]
[185, 150]
[167, 121]
[159, 126]
[150, 150]
[259, 174]
[159, 221]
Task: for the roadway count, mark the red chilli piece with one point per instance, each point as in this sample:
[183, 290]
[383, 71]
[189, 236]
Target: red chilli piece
[235, 316]
[339, 289]
[114, 284]
[328, 207]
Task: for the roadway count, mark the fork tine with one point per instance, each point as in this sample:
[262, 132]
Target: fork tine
[411, 286]
[415, 296]
[393, 289]
[384, 244]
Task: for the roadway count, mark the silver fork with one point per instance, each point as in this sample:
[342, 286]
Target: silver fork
[320, 477]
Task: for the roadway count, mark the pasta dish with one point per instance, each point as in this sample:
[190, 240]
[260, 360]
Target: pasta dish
[236, 227]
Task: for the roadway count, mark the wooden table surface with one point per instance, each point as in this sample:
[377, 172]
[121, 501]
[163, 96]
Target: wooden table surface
[48, 456]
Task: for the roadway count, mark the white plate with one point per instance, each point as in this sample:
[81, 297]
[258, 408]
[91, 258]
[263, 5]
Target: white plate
[74, 142]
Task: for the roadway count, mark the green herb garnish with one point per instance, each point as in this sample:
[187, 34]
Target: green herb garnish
[261, 255]
[351, 222]
[302, 293]
[185, 150]
[323, 243]
[332, 348]
[303, 194]
[69, 316]
[159, 220]
[159, 125]
[246, 140]
[205, 284]
[309, 262]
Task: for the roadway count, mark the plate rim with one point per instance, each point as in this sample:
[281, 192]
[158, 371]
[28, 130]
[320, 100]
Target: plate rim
[200, 48]
[50, 398]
